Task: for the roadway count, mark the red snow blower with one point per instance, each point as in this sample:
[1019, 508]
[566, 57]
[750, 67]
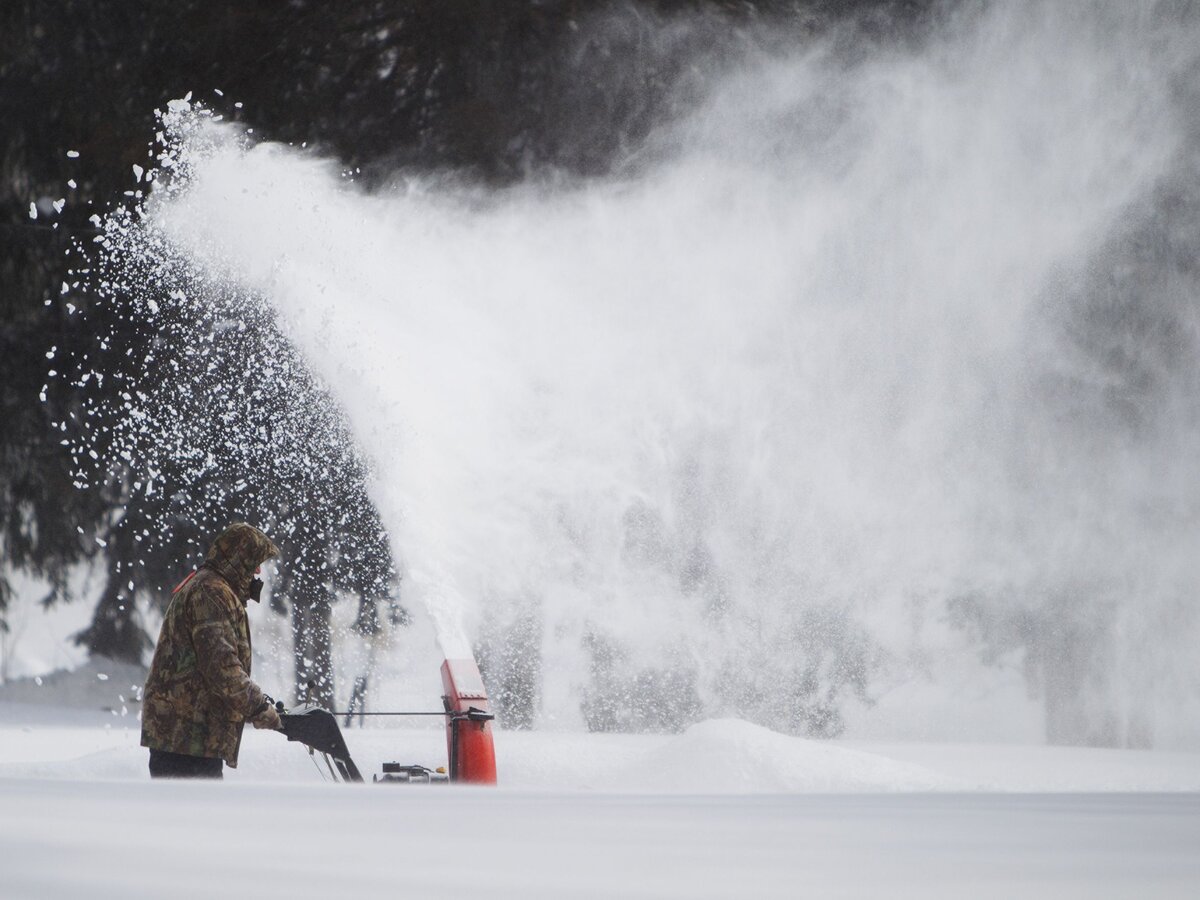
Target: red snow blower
[471, 754]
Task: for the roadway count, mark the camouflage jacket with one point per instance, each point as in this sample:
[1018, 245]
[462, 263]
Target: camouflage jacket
[199, 693]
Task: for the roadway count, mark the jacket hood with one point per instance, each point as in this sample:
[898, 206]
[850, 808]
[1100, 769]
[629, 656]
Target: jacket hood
[237, 552]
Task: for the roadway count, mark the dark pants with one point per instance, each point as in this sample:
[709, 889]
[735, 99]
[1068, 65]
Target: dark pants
[180, 765]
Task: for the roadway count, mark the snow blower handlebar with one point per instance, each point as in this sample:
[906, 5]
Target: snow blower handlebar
[317, 729]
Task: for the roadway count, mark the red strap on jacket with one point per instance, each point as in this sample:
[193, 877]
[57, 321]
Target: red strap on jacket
[179, 587]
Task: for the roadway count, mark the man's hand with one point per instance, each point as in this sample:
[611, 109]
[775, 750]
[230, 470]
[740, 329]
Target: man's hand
[268, 718]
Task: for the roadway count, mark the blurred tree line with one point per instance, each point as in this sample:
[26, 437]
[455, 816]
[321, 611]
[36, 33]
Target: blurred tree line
[491, 91]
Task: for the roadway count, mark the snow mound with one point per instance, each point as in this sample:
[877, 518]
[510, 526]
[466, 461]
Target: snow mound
[734, 756]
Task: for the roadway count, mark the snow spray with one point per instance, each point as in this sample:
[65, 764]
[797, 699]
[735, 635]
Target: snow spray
[834, 363]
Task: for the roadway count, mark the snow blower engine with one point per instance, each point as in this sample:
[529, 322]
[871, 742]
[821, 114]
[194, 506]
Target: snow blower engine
[472, 757]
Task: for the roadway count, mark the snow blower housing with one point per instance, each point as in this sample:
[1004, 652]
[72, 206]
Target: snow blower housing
[469, 747]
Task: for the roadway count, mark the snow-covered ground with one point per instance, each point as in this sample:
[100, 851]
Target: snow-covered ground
[121, 839]
[726, 809]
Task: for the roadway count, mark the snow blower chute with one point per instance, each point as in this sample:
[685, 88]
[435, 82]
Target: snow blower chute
[470, 751]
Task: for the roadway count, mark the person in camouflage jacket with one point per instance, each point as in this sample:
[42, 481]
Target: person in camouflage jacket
[199, 693]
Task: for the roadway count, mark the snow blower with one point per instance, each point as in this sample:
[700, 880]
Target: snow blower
[470, 751]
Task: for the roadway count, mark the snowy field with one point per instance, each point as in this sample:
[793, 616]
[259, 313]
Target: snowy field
[726, 809]
[106, 838]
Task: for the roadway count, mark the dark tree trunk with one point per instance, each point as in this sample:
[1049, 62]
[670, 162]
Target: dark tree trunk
[116, 630]
[312, 645]
[510, 660]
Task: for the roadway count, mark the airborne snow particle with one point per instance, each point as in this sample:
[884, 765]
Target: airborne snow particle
[72, 154]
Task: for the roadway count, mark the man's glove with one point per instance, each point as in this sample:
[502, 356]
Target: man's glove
[268, 718]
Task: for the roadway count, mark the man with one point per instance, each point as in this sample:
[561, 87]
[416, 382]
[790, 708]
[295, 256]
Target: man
[199, 693]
